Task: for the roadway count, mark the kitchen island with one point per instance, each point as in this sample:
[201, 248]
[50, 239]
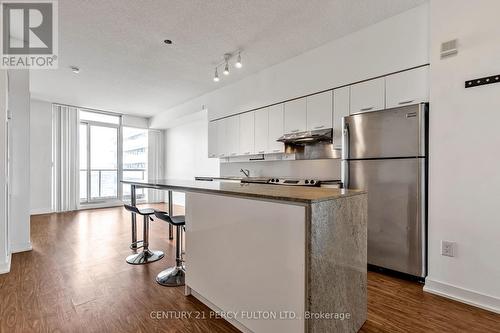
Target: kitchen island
[275, 258]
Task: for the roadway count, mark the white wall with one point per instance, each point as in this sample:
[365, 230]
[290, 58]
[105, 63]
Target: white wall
[394, 44]
[4, 239]
[187, 151]
[41, 157]
[19, 106]
[465, 153]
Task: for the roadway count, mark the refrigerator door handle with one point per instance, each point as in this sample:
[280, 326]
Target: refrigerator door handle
[345, 174]
[345, 141]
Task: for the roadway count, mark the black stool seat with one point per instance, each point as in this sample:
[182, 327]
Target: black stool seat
[143, 211]
[178, 220]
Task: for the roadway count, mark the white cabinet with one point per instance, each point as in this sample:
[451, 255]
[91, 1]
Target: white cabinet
[340, 110]
[368, 96]
[246, 133]
[212, 139]
[319, 111]
[408, 87]
[295, 116]
[276, 122]
[232, 135]
[262, 130]
[222, 147]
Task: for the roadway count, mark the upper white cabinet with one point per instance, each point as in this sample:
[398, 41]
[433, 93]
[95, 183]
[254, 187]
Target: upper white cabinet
[368, 96]
[276, 129]
[212, 139]
[408, 87]
[262, 130]
[221, 134]
[256, 132]
[233, 135]
[295, 116]
[340, 110]
[319, 111]
[247, 127]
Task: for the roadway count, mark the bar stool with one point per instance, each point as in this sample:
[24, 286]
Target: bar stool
[173, 276]
[146, 255]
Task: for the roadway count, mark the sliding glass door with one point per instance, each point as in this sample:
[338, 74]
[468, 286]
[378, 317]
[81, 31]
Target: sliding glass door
[99, 172]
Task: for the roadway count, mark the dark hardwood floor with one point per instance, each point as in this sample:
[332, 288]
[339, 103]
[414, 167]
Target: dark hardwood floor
[76, 280]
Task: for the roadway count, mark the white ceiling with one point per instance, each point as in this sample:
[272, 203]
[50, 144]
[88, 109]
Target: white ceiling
[126, 67]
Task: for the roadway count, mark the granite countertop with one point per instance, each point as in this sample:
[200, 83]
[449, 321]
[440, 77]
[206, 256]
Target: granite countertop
[249, 190]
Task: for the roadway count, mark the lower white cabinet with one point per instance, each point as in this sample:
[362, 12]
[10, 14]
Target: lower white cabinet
[276, 123]
[368, 96]
[408, 87]
[261, 130]
[212, 139]
[246, 133]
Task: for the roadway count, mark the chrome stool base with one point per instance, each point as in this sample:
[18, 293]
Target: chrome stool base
[145, 257]
[171, 277]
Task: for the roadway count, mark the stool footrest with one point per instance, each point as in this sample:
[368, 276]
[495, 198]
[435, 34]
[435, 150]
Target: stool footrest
[136, 243]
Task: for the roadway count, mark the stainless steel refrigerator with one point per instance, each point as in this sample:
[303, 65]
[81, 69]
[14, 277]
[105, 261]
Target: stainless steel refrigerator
[385, 153]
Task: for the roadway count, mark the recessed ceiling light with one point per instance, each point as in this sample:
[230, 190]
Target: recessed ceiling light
[167, 41]
[75, 69]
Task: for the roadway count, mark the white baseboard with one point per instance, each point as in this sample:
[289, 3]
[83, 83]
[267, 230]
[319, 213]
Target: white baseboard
[466, 296]
[20, 247]
[215, 308]
[5, 266]
[39, 211]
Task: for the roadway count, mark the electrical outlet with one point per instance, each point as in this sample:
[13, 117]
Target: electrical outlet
[448, 248]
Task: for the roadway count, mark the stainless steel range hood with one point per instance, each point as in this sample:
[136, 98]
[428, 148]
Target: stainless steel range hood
[311, 145]
[308, 137]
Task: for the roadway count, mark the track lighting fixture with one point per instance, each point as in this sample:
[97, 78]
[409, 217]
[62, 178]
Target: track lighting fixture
[225, 63]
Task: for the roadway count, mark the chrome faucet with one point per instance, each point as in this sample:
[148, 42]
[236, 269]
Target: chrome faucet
[246, 172]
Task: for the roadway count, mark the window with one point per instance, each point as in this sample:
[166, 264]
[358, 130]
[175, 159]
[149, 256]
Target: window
[98, 157]
[135, 158]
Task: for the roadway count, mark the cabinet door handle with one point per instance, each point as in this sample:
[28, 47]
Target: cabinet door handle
[247, 153]
[294, 131]
[318, 127]
[367, 108]
[406, 102]
[233, 154]
[262, 152]
[277, 150]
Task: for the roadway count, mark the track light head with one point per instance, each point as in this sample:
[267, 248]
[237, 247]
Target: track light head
[238, 63]
[216, 75]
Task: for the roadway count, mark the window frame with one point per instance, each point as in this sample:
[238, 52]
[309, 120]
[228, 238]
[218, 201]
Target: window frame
[119, 156]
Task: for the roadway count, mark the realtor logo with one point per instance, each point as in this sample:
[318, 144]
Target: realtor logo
[29, 34]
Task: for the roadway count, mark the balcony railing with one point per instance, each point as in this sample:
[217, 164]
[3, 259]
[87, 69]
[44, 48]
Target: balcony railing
[104, 184]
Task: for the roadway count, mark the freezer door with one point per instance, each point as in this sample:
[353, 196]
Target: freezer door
[396, 212]
[398, 132]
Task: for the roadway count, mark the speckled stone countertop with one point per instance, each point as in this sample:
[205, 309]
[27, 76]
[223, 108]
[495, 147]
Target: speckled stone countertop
[299, 194]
